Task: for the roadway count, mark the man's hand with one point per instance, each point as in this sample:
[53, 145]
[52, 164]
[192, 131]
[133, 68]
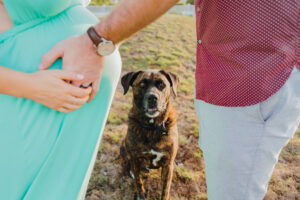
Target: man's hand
[78, 55]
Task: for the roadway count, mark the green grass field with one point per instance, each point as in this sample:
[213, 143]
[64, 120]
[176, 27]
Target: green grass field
[170, 44]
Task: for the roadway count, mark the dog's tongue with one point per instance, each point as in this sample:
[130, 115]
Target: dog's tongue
[152, 109]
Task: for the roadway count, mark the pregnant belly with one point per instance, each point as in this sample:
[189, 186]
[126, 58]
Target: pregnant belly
[23, 51]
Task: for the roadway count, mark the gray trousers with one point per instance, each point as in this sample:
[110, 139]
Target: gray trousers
[241, 145]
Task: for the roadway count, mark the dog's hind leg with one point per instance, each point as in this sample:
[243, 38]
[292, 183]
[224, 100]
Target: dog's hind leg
[166, 180]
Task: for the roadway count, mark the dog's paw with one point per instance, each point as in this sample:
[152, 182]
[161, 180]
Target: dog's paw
[131, 174]
[139, 197]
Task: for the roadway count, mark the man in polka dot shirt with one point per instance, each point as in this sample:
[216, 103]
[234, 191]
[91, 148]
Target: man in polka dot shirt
[247, 92]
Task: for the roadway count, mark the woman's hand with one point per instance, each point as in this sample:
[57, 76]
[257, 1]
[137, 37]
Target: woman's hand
[78, 55]
[52, 89]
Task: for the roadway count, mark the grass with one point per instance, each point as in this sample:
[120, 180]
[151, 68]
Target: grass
[183, 173]
[195, 129]
[198, 154]
[116, 119]
[202, 197]
[115, 137]
[182, 140]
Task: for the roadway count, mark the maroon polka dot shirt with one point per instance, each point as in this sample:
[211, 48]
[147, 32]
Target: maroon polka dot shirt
[246, 49]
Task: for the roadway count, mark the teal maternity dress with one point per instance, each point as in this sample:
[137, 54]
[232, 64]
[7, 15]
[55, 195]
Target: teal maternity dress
[45, 154]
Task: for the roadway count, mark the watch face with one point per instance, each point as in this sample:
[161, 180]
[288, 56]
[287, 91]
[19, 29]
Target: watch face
[105, 48]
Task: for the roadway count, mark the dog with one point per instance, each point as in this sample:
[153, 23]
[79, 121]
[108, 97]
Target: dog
[151, 141]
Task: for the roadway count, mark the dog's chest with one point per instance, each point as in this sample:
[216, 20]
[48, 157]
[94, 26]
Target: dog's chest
[152, 148]
[152, 152]
[153, 157]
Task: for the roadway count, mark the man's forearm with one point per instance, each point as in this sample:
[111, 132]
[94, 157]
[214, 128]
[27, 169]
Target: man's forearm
[131, 16]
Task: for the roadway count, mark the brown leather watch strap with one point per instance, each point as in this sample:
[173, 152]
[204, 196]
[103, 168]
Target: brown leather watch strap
[96, 39]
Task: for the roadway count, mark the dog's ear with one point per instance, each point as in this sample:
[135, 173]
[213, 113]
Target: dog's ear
[173, 80]
[128, 79]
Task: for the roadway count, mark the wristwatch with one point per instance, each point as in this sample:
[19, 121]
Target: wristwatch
[103, 47]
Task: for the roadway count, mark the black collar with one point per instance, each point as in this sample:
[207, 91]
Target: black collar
[160, 128]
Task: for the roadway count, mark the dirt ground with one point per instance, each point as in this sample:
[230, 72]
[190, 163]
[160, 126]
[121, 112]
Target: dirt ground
[169, 44]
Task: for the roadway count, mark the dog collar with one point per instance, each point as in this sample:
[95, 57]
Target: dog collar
[160, 128]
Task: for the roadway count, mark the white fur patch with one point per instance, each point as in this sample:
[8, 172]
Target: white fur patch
[152, 115]
[159, 155]
[131, 174]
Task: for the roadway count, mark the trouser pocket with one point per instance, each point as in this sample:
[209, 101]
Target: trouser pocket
[282, 110]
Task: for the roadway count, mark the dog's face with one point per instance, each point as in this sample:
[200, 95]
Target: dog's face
[151, 90]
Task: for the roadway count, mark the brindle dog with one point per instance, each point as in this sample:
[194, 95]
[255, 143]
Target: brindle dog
[152, 140]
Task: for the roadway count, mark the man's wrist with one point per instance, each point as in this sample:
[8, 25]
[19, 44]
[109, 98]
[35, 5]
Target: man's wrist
[102, 29]
[103, 46]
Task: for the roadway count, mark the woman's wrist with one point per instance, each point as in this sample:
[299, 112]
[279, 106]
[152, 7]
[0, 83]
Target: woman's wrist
[14, 83]
[87, 42]
[24, 85]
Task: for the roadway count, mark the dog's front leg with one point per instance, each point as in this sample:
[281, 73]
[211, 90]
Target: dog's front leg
[139, 186]
[166, 180]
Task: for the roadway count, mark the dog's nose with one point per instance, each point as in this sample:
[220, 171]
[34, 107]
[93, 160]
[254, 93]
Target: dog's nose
[152, 98]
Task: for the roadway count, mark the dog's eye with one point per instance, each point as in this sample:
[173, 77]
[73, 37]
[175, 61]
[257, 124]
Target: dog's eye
[142, 84]
[160, 85]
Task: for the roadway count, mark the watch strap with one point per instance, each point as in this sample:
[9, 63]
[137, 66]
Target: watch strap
[96, 39]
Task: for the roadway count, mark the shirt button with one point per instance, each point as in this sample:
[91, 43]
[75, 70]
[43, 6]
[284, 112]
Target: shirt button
[198, 9]
[200, 41]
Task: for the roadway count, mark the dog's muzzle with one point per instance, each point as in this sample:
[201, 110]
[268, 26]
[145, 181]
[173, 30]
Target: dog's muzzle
[152, 100]
[150, 104]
